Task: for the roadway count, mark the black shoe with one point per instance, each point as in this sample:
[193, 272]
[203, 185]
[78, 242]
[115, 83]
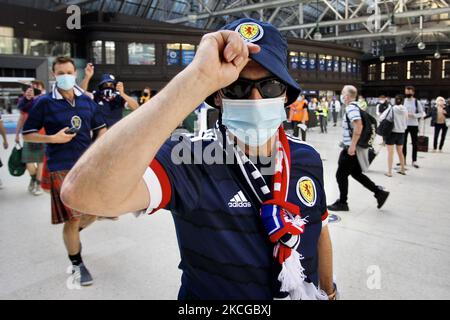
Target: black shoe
[338, 206]
[381, 197]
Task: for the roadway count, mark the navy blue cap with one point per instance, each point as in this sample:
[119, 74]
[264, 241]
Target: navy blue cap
[107, 78]
[273, 54]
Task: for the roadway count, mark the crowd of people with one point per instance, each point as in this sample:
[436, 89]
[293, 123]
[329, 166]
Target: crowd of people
[239, 227]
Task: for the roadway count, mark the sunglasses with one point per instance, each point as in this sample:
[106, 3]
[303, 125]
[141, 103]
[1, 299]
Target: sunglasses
[242, 88]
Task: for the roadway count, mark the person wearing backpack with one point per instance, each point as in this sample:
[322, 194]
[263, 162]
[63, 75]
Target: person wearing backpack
[398, 115]
[353, 124]
[415, 112]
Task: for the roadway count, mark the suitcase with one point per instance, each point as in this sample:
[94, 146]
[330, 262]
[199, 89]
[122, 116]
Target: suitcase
[422, 143]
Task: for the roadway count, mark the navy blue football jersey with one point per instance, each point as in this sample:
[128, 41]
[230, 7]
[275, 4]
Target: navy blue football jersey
[225, 252]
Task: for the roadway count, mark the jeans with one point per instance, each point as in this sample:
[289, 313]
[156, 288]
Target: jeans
[296, 129]
[437, 129]
[349, 165]
[413, 131]
[334, 114]
[323, 123]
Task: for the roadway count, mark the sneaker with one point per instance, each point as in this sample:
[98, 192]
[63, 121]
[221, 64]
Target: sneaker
[84, 275]
[31, 186]
[37, 191]
[381, 197]
[415, 165]
[338, 206]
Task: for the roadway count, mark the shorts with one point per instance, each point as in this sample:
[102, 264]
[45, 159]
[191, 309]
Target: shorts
[33, 152]
[395, 138]
[60, 213]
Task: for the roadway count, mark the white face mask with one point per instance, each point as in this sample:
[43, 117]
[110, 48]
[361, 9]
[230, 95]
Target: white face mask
[342, 99]
[253, 122]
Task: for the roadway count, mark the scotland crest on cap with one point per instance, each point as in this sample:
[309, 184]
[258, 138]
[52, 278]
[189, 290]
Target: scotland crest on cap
[250, 31]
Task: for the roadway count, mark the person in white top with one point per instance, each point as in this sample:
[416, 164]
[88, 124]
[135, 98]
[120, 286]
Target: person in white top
[398, 114]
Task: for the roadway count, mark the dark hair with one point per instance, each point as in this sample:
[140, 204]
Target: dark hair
[63, 60]
[39, 83]
[399, 97]
[410, 88]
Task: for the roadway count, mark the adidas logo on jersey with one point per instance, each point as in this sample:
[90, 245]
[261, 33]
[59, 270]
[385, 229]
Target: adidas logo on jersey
[239, 201]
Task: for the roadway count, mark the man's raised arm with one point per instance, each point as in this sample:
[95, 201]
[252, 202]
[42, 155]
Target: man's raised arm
[107, 180]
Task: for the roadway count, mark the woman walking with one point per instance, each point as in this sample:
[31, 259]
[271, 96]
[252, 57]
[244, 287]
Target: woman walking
[439, 122]
[398, 114]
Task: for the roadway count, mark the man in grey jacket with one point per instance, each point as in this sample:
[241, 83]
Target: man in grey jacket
[415, 112]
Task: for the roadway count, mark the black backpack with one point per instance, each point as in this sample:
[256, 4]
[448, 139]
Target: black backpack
[369, 131]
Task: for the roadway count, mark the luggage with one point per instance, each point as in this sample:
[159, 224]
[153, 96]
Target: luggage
[422, 143]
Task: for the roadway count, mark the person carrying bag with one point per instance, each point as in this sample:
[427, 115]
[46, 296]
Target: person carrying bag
[15, 165]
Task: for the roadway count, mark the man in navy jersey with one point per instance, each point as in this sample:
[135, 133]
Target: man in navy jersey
[70, 119]
[247, 201]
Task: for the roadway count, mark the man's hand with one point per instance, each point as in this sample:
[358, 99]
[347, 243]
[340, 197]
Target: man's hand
[62, 137]
[29, 93]
[351, 150]
[17, 139]
[221, 56]
[120, 88]
[89, 70]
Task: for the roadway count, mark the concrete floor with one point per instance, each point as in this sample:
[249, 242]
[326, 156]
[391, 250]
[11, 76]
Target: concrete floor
[399, 252]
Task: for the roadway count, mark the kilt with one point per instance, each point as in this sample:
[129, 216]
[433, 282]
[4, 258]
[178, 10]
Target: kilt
[45, 180]
[60, 213]
[33, 152]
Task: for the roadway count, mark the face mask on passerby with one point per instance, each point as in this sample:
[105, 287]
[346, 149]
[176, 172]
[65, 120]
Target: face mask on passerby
[253, 122]
[65, 81]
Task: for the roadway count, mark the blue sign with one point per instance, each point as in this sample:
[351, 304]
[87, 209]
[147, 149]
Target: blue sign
[173, 57]
[188, 56]
[304, 63]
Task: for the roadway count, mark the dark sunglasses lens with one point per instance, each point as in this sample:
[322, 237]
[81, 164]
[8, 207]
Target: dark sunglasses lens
[272, 88]
[238, 90]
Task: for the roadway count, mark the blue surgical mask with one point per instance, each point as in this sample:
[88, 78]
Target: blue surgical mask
[65, 81]
[253, 122]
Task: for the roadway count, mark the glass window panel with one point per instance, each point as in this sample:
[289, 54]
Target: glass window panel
[445, 69]
[322, 66]
[187, 53]
[141, 54]
[304, 60]
[329, 63]
[110, 52]
[312, 61]
[293, 60]
[343, 65]
[336, 64]
[96, 52]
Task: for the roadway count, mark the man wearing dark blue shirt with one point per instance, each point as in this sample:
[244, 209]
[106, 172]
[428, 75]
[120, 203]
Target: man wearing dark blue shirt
[110, 96]
[247, 200]
[70, 119]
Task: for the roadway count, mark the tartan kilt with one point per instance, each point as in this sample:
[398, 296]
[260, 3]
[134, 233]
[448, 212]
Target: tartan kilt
[45, 179]
[33, 152]
[60, 213]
